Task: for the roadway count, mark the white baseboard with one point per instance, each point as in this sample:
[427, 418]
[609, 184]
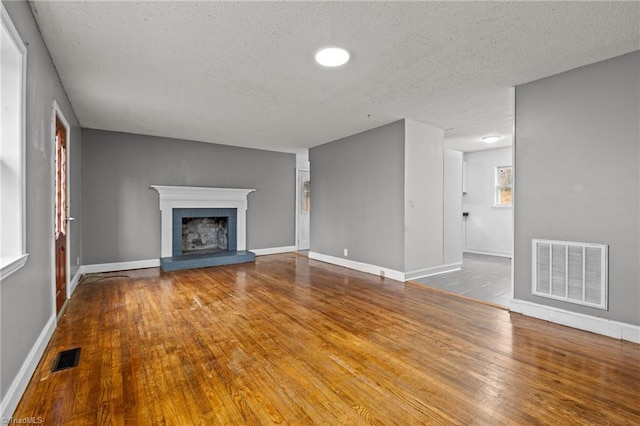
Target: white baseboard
[606, 327]
[119, 266]
[153, 263]
[74, 282]
[487, 252]
[19, 385]
[273, 250]
[359, 266]
[435, 270]
[386, 272]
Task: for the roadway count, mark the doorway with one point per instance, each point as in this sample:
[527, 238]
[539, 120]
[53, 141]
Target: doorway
[304, 210]
[61, 206]
[482, 277]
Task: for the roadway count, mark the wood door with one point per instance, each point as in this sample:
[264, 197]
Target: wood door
[60, 213]
[304, 210]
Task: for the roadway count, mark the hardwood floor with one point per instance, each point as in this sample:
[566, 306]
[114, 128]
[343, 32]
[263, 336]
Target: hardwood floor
[289, 340]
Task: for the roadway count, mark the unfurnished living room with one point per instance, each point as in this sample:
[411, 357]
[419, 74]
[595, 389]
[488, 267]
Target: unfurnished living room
[334, 213]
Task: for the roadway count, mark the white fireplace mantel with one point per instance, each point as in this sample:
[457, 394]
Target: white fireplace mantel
[184, 197]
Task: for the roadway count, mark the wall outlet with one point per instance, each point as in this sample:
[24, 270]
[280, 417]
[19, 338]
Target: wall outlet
[346, 252]
[78, 260]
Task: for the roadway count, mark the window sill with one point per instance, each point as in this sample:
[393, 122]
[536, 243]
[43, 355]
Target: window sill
[10, 264]
[501, 207]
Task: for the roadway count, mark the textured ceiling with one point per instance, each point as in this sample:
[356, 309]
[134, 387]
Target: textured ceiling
[242, 73]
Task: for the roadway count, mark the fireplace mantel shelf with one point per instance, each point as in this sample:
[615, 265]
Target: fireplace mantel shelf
[176, 197]
[201, 193]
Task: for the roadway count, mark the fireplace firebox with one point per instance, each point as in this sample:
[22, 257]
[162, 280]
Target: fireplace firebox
[202, 235]
[203, 231]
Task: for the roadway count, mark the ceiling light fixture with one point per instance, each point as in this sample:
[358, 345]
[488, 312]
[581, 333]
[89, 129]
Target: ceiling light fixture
[491, 139]
[332, 57]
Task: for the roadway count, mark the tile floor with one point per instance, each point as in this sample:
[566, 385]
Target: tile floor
[482, 277]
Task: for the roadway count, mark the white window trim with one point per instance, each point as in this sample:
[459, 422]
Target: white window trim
[502, 206]
[10, 264]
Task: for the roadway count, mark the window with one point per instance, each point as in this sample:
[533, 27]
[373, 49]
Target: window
[504, 186]
[60, 225]
[306, 196]
[13, 61]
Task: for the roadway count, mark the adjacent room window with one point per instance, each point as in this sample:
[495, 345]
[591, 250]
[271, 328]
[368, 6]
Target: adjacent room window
[504, 186]
[13, 61]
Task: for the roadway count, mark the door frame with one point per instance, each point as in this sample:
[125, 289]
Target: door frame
[57, 112]
[513, 195]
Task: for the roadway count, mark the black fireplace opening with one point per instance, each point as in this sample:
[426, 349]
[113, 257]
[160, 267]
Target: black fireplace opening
[204, 235]
[204, 231]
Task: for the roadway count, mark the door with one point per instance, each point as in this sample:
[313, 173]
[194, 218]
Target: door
[304, 210]
[60, 211]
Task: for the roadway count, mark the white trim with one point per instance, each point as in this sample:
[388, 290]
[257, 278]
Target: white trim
[74, 282]
[297, 206]
[302, 162]
[20, 382]
[9, 265]
[153, 263]
[502, 206]
[20, 160]
[434, 270]
[386, 272]
[514, 184]
[487, 252]
[274, 250]
[177, 197]
[359, 266]
[119, 266]
[606, 327]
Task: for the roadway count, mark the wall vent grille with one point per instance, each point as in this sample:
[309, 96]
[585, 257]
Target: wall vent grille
[571, 272]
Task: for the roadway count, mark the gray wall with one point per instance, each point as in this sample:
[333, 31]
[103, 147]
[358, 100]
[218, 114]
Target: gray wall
[577, 174]
[75, 199]
[121, 213]
[26, 297]
[452, 241]
[358, 197]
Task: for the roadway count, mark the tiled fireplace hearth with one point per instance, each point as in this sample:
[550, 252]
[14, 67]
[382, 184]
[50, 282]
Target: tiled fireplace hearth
[202, 226]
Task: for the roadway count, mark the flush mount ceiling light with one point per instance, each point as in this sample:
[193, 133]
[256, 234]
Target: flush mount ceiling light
[332, 57]
[491, 139]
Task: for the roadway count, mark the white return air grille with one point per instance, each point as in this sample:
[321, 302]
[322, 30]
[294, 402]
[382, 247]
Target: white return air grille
[572, 272]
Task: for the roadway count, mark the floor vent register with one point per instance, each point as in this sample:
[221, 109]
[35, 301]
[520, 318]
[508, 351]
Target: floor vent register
[66, 359]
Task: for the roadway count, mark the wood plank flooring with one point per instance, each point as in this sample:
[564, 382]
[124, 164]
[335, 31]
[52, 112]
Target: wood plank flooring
[289, 340]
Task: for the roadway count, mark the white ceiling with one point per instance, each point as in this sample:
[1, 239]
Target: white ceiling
[243, 73]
